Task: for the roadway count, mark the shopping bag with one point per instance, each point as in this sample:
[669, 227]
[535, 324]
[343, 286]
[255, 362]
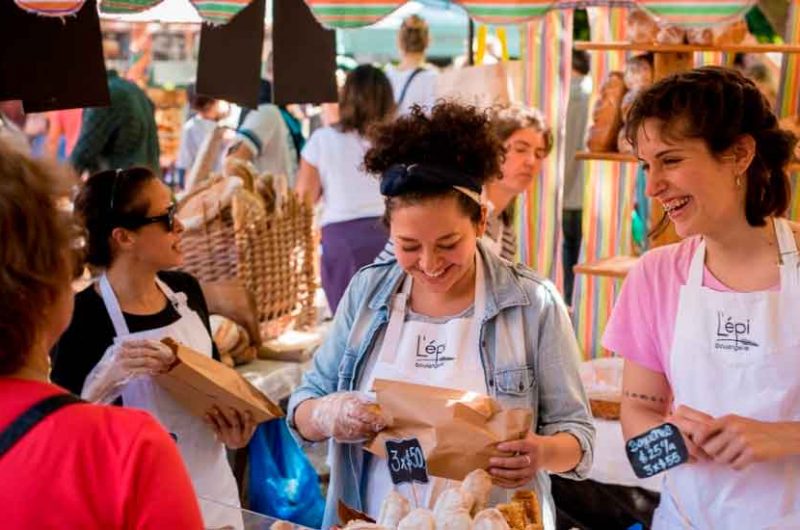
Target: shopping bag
[483, 85]
[283, 483]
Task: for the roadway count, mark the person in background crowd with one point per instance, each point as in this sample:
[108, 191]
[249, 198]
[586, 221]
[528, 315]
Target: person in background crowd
[111, 348]
[208, 112]
[64, 128]
[264, 138]
[331, 173]
[574, 141]
[413, 81]
[123, 134]
[503, 329]
[527, 140]
[708, 326]
[65, 463]
[10, 129]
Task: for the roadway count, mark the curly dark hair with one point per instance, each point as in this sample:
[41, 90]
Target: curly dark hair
[105, 198]
[455, 136]
[718, 105]
[35, 269]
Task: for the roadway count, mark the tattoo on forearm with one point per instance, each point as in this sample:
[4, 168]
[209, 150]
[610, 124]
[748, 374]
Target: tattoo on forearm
[644, 397]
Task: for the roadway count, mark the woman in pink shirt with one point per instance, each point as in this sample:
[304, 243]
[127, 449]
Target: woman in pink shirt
[65, 463]
[708, 326]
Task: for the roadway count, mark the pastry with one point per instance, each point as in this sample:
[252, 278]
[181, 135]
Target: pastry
[451, 501]
[700, 36]
[357, 524]
[530, 503]
[642, 29]
[670, 34]
[393, 509]
[419, 519]
[490, 519]
[479, 484]
[514, 513]
[458, 520]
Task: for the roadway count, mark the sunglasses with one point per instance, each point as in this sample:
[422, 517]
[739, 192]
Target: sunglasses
[166, 219]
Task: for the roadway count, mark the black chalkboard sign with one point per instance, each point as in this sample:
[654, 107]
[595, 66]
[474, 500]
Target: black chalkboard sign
[406, 461]
[657, 450]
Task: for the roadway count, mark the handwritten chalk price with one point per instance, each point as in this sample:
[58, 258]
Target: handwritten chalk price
[657, 450]
[406, 461]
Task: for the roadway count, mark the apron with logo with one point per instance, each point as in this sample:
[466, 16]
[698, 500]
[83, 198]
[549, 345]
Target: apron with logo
[203, 455]
[444, 355]
[736, 353]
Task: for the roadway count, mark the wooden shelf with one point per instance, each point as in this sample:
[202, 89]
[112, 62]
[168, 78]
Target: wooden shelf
[688, 48]
[609, 156]
[612, 267]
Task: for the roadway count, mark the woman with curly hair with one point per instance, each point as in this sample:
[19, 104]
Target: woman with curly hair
[499, 329]
[708, 326]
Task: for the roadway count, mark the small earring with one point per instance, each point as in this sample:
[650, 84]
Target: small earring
[738, 181]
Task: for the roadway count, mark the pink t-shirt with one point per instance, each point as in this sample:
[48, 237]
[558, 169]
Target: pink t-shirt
[642, 324]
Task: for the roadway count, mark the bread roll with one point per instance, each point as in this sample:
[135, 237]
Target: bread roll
[490, 519]
[606, 115]
[642, 29]
[451, 501]
[478, 484]
[419, 519]
[670, 34]
[393, 509]
[458, 520]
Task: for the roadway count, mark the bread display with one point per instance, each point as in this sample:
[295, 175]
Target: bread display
[232, 340]
[490, 519]
[642, 29]
[479, 485]
[607, 115]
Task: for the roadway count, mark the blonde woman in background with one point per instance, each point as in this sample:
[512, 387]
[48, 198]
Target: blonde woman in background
[413, 81]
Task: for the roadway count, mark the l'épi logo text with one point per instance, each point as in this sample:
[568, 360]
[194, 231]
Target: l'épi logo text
[733, 334]
[431, 353]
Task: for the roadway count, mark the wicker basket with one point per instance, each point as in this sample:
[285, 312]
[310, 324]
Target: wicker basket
[233, 233]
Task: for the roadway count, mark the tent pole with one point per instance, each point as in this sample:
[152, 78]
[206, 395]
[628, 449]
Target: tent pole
[470, 40]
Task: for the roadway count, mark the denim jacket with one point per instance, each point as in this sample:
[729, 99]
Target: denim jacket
[528, 351]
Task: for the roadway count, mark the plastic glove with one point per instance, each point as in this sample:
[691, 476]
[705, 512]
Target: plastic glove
[347, 417]
[123, 362]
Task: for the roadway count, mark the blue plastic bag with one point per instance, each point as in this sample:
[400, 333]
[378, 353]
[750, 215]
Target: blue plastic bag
[283, 483]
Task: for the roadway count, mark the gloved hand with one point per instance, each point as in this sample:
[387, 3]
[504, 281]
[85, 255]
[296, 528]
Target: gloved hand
[347, 417]
[123, 362]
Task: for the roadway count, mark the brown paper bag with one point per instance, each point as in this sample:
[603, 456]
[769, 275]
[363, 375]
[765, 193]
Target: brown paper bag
[198, 382]
[482, 85]
[458, 431]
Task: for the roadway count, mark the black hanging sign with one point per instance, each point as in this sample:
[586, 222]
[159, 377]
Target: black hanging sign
[657, 450]
[406, 461]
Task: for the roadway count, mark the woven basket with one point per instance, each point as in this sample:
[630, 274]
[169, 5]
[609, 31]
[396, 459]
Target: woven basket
[234, 233]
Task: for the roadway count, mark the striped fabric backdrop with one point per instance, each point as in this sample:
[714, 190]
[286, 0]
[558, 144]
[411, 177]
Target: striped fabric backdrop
[51, 8]
[607, 201]
[789, 93]
[126, 6]
[697, 12]
[547, 49]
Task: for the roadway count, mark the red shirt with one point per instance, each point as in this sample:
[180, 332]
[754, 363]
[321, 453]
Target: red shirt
[91, 467]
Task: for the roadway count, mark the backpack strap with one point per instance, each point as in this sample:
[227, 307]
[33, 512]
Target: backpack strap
[414, 74]
[32, 417]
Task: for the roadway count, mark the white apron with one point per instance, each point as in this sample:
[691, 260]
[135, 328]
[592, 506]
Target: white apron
[736, 353]
[445, 355]
[203, 455]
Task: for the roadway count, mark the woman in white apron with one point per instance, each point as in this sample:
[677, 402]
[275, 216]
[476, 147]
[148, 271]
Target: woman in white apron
[447, 313]
[133, 236]
[708, 326]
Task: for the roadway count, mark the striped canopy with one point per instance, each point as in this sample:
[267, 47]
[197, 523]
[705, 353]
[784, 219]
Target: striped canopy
[358, 13]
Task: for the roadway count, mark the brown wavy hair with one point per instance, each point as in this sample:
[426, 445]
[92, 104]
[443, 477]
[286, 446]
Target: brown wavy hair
[366, 98]
[35, 264]
[455, 136]
[719, 105]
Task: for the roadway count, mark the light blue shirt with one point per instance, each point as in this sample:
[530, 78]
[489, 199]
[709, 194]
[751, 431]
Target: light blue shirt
[528, 352]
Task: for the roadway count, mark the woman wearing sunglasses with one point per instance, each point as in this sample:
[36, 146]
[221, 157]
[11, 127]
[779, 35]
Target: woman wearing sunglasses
[111, 349]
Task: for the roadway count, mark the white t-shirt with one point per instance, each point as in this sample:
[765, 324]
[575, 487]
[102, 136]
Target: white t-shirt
[347, 191]
[195, 131]
[422, 89]
[266, 134]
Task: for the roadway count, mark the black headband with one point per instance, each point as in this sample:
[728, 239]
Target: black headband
[407, 178]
